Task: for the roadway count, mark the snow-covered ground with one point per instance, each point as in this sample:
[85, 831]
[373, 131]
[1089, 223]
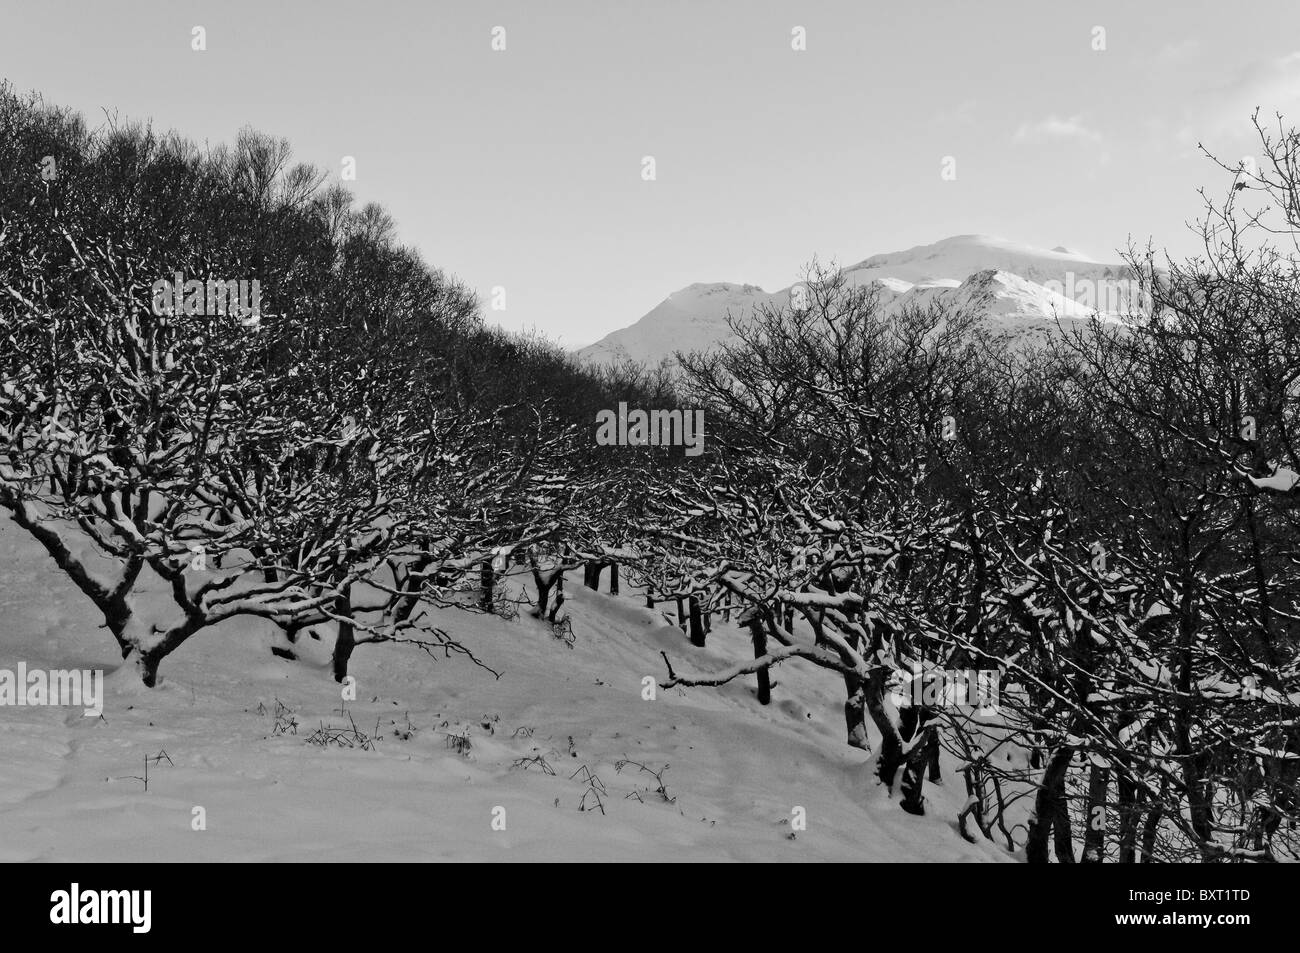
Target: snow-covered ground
[736, 771]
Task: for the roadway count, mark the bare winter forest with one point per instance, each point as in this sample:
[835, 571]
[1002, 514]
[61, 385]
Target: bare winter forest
[1104, 525]
[974, 552]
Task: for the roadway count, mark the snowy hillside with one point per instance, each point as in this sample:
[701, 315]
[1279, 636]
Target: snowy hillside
[963, 255]
[1025, 301]
[693, 318]
[735, 771]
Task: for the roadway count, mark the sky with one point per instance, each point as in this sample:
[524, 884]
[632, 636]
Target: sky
[523, 168]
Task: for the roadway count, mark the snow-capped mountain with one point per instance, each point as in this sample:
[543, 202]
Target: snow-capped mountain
[1026, 292]
[694, 318]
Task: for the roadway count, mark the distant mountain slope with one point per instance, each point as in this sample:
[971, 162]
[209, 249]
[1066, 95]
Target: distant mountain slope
[1019, 279]
[963, 255]
[694, 318]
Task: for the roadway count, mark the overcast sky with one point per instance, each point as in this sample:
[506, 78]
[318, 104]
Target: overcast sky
[522, 168]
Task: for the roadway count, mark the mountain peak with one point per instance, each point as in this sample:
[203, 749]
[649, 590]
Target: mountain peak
[716, 288]
[1013, 276]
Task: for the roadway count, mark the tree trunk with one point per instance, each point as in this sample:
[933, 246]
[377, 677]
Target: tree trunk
[697, 624]
[913, 784]
[487, 585]
[171, 640]
[1062, 840]
[149, 662]
[559, 596]
[759, 638]
[974, 804]
[1152, 826]
[916, 733]
[855, 713]
[1048, 803]
[406, 604]
[932, 757]
[111, 602]
[117, 616]
[891, 742]
[346, 641]
[1094, 832]
[613, 579]
[543, 585]
[1199, 810]
[1128, 806]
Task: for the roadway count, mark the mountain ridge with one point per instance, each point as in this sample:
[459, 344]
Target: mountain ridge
[1021, 279]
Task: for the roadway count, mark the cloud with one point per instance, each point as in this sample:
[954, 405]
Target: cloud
[1053, 129]
[1178, 52]
[1223, 113]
